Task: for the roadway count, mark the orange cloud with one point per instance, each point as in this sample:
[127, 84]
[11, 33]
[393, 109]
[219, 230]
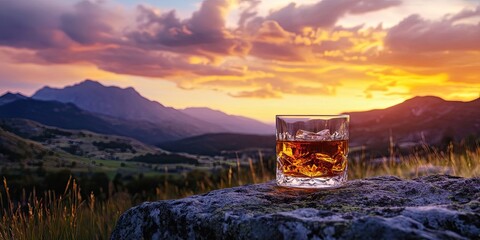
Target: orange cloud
[259, 93]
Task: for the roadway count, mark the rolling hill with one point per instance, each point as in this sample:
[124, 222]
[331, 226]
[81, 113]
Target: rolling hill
[78, 142]
[69, 116]
[16, 149]
[216, 143]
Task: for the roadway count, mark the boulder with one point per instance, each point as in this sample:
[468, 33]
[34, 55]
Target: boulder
[387, 207]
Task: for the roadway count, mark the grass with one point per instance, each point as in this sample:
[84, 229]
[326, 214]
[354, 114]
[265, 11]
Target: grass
[67, 216]
[426, 161]
[47, 215]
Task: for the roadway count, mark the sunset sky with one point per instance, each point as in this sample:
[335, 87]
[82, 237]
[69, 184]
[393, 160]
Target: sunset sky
[255, 58]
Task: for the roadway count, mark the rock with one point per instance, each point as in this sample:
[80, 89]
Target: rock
[433, 207]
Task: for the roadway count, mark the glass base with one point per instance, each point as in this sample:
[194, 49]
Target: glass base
[311, 182]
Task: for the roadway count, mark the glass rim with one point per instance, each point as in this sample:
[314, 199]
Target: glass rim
[314, 115]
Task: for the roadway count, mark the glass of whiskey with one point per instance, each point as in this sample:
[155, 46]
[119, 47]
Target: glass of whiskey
[311, 150]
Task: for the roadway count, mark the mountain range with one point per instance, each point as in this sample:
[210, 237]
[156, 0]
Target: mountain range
[92, 106]
[128, 104]
[111, 110]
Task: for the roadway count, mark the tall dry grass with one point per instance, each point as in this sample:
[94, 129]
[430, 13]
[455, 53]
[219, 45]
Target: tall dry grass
[426, 161]
[65, 216]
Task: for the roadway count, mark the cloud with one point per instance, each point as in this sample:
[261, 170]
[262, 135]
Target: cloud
[43, 25]
[416, 34]
[90, 23]
[448, 46]
[271, 41]
[26, 24]
[324, 14]
[276, 87]
[259, 93]
[293, 50]
[90, 32]
[204, 33]
[248, 13]
[138, 62]
[379, 87]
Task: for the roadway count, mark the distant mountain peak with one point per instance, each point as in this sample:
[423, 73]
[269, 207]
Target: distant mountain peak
[131, 90]
[419, 102]
[89, 82]
[11, 94]
[429, 99]
[45, 88]
[92, 84]
[9, 97]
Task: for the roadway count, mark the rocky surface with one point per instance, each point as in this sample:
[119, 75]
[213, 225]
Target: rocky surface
[433, 207]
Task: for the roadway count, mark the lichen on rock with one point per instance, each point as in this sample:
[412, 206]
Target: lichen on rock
[432, 207]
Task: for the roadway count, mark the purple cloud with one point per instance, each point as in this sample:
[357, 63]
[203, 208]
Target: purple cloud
[415, 34]
[27, 24]
[324, 13]
[204, 33]
[89, 23]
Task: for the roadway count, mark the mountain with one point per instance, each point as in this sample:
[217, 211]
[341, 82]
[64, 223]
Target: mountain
[421, 119]
[216, 143]
[231, 123]
[69, 116]
[128, 104]
[11, 97]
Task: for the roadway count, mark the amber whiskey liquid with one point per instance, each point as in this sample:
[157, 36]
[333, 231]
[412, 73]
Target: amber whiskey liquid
[312, 159]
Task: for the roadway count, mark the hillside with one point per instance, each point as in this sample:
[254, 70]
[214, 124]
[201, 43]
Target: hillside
[421, 119]
[218, 143]
[48, 149]
[69, 116]
[78, 142]
[16, 149]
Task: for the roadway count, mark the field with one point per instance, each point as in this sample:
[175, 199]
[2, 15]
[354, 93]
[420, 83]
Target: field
[71, 213]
